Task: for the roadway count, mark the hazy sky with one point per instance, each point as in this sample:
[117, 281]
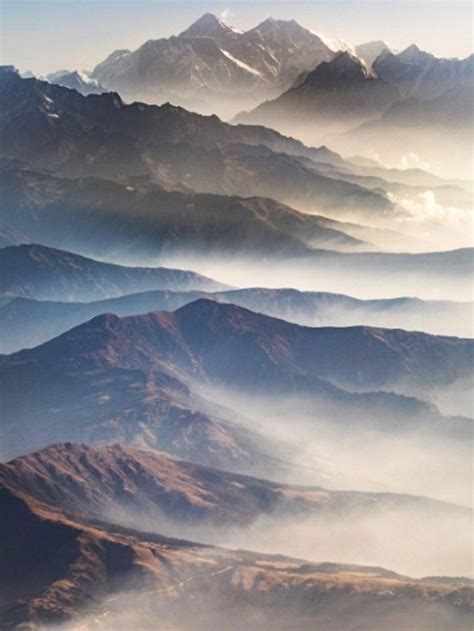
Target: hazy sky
[49, 35]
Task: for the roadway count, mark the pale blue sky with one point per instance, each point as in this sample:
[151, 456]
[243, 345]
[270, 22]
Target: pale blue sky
[47, 35]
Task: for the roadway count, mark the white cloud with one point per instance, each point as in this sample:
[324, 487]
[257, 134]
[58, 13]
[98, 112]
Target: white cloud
[226, 14]
[413, 161]
[424, 207]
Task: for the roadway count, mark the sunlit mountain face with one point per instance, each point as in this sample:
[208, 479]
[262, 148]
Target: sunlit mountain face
[236, 348]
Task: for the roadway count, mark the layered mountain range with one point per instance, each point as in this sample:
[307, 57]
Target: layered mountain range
[47, 291]
[139, 221]
[372, 104]
[214, 334]
[145, 218]
[79, 135]
[346, 89]
[212, 67]
[169, 147]
[343, 88]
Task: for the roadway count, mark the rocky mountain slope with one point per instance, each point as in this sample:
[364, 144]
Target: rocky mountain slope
[101, 563]
[55, 114]
[128, 485]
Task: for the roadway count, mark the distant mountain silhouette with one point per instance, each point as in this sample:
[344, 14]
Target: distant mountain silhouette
[52, 127]
[35, 271]
[343, 88]
[421, 74]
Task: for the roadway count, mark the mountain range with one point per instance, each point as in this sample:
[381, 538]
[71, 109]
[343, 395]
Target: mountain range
[421, 74]
[133, 379]
[28, 321]
[211, 62]
[344, 88]
[79, 136]
[139, 221]
[142, 217]
[345, 92]
[182, 151]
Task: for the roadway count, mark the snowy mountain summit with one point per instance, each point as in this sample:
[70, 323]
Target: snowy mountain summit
[211, 60]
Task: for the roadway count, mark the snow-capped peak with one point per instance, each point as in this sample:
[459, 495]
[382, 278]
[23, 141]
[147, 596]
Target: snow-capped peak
[334, 44]
[208, 25]
[240, 63]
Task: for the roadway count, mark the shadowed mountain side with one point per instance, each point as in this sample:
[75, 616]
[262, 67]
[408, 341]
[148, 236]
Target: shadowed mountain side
[96, 123]
[199, 337]
[411, 90]
[422, 75]
[174, 147]
[341, 90]
[298, 181]
[108, 404]
[355, 356]
[346, 87]
[83, 215]
[144, 219]
[88, 138]
[180, 582]
[26, 323]
[450, 110]
[36, 271]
